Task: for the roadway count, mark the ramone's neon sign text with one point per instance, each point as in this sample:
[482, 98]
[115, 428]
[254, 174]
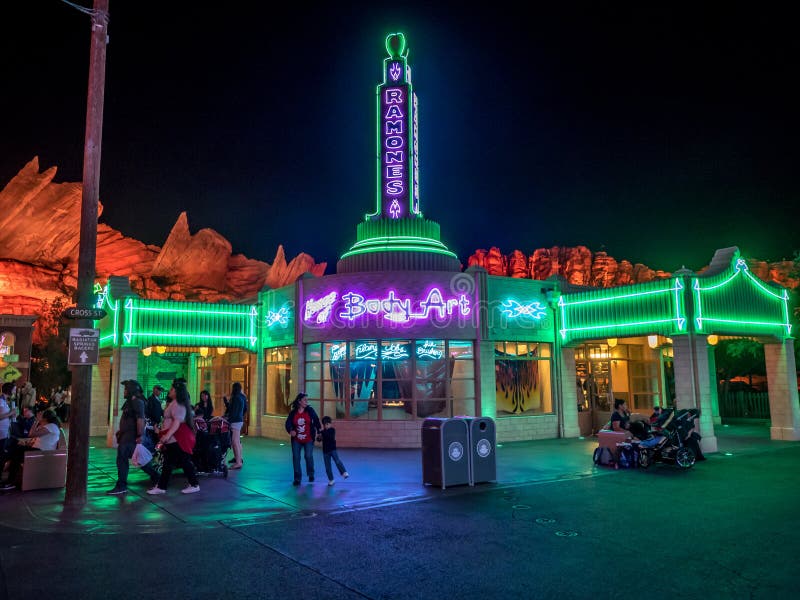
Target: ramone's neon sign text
[353, 306]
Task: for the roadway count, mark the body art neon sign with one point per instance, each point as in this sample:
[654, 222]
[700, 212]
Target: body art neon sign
[513, 309]
[394, 308]
[281, 317]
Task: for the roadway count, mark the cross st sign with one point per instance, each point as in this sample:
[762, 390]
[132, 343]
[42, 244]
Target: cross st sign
[84, 346]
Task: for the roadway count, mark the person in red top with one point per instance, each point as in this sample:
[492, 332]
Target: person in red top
[302, 425]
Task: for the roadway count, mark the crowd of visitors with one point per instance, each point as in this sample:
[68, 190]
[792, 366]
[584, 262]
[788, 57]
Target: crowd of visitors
[37, 428]
[157, 436]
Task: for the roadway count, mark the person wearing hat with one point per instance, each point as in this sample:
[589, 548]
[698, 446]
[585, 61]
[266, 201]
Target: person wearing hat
[131, 430]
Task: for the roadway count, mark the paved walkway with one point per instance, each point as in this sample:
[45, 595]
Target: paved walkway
[262, 491]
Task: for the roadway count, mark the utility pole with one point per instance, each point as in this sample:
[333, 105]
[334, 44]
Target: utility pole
[78, 457]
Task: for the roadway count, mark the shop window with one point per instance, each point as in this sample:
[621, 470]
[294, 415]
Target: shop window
[279, 362]
[523, 378]
[391, 379]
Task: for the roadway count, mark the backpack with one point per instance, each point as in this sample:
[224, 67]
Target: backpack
[603, 456]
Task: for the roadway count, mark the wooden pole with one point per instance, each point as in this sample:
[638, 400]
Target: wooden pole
[78, 457]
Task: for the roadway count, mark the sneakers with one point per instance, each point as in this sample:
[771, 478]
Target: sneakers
[117, 490]
[331, 482]
[190, 489]
[10, 486]
[155, 491]
[235, 466]
[345, 474]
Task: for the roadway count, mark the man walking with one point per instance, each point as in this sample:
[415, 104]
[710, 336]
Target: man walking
[131, 430]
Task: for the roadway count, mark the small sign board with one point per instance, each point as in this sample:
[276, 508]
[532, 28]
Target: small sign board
[78, 312]
[84, 346]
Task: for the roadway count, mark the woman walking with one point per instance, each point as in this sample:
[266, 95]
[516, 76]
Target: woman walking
[302, 425]
[177, 435]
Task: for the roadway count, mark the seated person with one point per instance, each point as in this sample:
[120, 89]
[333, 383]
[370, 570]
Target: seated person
[621, 418]
[692, 440]
[656, 414]
[22, 427]
[43, 437]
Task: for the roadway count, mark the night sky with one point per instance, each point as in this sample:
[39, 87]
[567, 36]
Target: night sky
[658, 135]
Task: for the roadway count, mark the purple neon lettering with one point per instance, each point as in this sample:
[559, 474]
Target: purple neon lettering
[394, 171]
[393, 307]
[394, 187]
[393, 96]
[396, 156]
[353, 306]
[394, 127]
[394, 112]
[394, 141]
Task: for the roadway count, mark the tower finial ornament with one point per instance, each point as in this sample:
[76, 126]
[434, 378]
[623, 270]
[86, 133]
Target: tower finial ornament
[396, 236]
[396, 45]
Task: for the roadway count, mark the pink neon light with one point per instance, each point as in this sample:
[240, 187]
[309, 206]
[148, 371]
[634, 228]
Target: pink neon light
[396, 308]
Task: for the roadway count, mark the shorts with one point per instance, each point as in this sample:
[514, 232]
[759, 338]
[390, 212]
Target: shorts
[237, 427]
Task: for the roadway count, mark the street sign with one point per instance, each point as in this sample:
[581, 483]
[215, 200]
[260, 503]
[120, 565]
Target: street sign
[84, 346]
[77, 312]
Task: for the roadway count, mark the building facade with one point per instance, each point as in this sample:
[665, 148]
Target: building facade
[400, 333]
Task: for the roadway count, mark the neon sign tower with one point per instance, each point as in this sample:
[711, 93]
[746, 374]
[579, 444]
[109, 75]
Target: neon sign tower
[396, 235]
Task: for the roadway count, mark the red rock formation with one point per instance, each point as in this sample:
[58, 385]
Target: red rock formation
[580, 267]
[496, 262]
[39, 236]
[518, 265]
[199, 260]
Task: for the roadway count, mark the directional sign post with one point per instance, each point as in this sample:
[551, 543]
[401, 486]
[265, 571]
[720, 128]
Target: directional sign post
[77, 312]
[84, 346]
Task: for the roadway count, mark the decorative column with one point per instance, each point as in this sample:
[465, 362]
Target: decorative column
[782, 381]
[569, 396]
[488, 390]
[693, 383]
[712, 374]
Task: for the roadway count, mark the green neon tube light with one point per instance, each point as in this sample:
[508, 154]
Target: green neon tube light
[614, 326]
[203, 323]
[741, 268]
[678, 286]
[605, 297]
[410, 248]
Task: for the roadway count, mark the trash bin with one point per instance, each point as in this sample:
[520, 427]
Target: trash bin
[482, 453]
[445, 452]
[483, 450]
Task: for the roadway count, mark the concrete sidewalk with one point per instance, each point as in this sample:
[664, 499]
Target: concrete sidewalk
[262, 490]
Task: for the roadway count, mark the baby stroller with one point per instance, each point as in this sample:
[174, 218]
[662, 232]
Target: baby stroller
[666, 442]
[211, 446]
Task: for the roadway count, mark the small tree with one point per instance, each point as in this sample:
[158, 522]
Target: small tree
[49, 368]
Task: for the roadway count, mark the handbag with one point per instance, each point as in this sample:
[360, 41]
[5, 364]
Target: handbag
[185, 438]
[141, 456]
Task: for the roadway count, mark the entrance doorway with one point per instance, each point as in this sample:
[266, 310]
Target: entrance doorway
[218, 372]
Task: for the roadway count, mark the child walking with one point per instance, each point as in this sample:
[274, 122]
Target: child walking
[329, 450]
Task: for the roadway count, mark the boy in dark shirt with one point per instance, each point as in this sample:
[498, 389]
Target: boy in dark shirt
[328, 436]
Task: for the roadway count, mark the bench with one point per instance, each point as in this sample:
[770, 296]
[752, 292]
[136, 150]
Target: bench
[45, 469]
